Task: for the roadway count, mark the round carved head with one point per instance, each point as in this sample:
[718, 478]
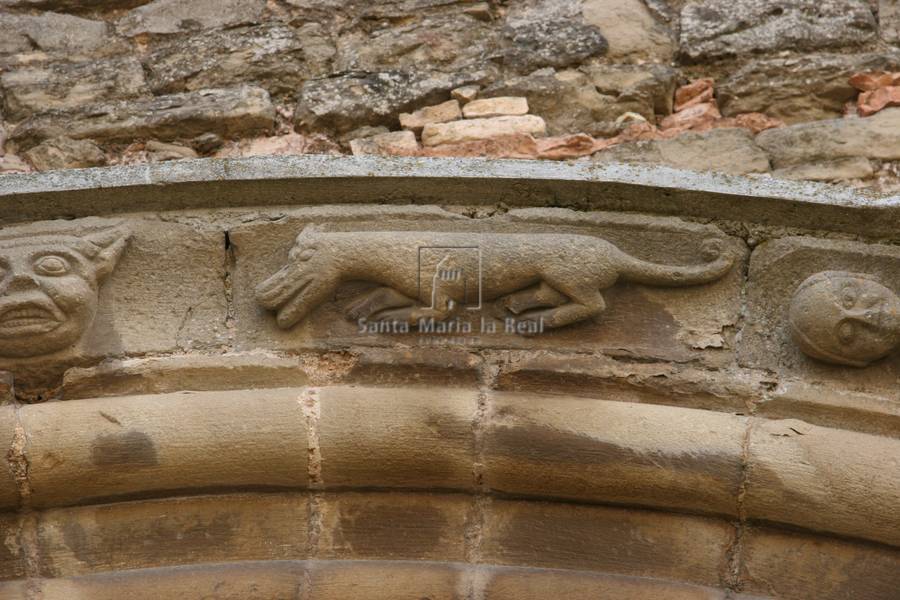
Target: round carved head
[845, 318]
[48, 288]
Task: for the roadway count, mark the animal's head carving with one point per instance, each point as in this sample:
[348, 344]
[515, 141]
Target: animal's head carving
[294, 289]
[49, 285]
[845, 318]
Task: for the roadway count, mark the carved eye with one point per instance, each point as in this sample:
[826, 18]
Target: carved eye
[846, 332]
[51, 265]
[305, 254]
[848, 297]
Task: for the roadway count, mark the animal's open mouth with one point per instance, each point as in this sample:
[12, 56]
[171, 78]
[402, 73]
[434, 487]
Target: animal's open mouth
[28, 319]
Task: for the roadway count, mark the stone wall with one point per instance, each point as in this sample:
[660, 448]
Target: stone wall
[739, 86]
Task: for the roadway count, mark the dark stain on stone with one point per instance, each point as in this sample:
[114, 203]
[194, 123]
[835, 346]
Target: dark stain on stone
[129, 449]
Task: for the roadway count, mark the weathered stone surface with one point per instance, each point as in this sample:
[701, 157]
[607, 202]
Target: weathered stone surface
[12, 459]
[439, 113]
[698, 91]
[496, 107]
[405, 438]
[177, 16]
[227, 112]
[582, 449]
[480, 129]
[51, 32]
[10, 163]
[72, 5]
[777, 269]
[395, 143]
[65, 153]
[466, 93]
[61, 85]
[447, 41]
[719, 28]
[12, 554]
[566, 146]
[84, 450]
[393, 526]
[519, 145]
[889, 20]
[796, 566]
[269, 55]
[877, 137]
[346, 102]
[178, 531]
[856, 167]
[872, 102]
[696, 116]
[824, 480]
[384, 580]
[279, 145]
[632, 32]
[612, 540]
[160, 152]
[723, 150]
[549, 33]
[810, 87]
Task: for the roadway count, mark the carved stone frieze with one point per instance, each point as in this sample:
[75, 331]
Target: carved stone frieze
[845, 318]
[542, 279]
[50, 283]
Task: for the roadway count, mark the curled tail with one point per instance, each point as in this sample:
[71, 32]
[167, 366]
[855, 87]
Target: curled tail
[641, 271]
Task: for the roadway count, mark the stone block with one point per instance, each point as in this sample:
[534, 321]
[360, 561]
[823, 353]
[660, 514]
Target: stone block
[29, 90]
[796, 89]
[729, 150]
[439, 113]
[104, 448]
[505, 583]
[587, 450]
[630, 29]
[12, 458]
[52, 33]
[843, 169]
[65, 153]
[178, 531]
[395, 143]
[393, 527]
[496, 107]
[481, 129]
[179, 16]
[777, 268]
[270, 55]
[613, 540]
[229, 113]
[346, 102]
[165, 374]
[382, 580]
[797, 566]
[876, 137]
[405, 438]
[277, 580]
[824, 480]
[718, 28]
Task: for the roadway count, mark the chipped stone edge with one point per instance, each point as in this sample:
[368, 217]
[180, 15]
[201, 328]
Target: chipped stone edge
[319, 179]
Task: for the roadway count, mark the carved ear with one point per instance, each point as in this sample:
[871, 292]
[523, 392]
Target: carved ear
[110, 243]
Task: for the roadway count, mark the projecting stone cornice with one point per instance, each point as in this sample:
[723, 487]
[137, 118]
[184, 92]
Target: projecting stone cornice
[311, 179]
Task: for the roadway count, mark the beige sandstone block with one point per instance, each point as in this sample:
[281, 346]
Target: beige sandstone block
[496, 107]
[159, 375]
[439, 113]
[9, 448]
[796, 566]
[177, 531]
[393, 526]
[103, 448]
[383, 580]
[506, 583]
[395, 143]
[613, 540]
[481, 129]
[466, 93]
[617, 452]
[225, 581]
[825, 480]
[394, 437]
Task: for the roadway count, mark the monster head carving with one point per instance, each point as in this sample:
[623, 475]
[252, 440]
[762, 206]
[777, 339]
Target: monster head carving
[49, 285]
[845, 318]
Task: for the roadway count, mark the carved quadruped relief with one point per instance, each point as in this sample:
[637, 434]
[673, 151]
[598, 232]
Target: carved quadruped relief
[49, 287]
[554, 279]
[845, 318]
